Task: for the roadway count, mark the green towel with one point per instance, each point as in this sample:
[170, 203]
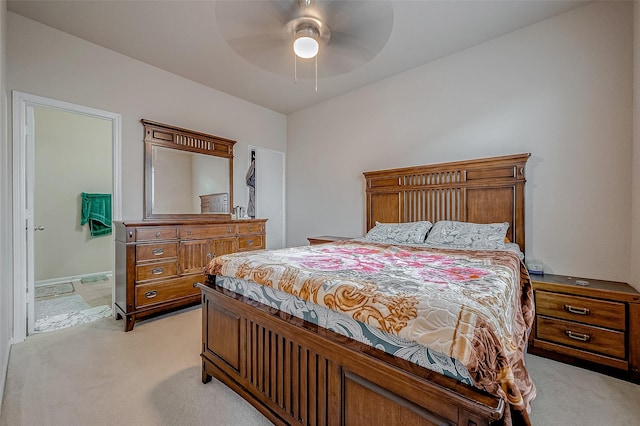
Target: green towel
[96, 210]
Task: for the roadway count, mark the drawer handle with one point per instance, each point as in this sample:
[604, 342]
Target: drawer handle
[250, 242]
[228, 230]
[157, 252]
[578, 336]
[579, 311]
[209, 255]
[151, 294]
[158, 234]
[157, 271]
[250, 229]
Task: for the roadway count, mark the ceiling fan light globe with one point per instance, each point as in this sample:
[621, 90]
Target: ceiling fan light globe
[305, 47]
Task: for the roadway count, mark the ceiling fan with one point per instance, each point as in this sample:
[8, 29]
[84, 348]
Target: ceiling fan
[289, 37]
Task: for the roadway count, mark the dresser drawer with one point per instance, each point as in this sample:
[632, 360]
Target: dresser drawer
[199, 232]
[147, 252]
[252, 242]
[156, 233]
[590, 338]
[166, 291]
[155, 271]
[582, 309]
[250, 228]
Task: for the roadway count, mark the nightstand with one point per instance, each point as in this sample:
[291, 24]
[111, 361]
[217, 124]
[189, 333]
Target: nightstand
[326, 239]
[587, 322]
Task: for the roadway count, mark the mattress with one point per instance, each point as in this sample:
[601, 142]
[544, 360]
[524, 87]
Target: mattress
[463, 313]
[347, 326]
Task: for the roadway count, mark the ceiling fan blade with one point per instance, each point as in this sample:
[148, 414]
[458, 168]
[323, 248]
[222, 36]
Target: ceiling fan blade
[256, 41]
[261, 31]
[367, 24]
[237, 18]
[349, 44]
[338, 11]
[254, 13]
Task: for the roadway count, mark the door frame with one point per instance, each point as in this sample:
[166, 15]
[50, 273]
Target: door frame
[23, 103]
[284, 186]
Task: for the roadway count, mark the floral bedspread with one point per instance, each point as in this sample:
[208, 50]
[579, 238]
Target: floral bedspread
[475, 306]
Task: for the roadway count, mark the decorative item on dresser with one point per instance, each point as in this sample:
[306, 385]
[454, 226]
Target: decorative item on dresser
[326, 239]
[297, 372]
[159, 264]
[592, 323]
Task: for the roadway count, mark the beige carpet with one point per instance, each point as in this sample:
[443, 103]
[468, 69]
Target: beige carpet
[95, 374]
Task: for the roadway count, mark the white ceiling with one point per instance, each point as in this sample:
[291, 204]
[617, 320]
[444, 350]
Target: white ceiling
[182, 37]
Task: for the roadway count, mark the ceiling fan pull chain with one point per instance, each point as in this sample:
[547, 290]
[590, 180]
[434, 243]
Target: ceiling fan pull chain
[295, 68]
[316, 73]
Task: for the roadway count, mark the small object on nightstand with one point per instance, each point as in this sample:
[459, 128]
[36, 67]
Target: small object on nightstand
[535, 268]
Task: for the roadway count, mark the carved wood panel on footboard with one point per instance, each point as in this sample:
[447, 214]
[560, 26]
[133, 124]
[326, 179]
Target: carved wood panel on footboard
[297, 373]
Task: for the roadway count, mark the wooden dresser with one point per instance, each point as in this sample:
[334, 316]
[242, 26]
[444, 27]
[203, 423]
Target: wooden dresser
[587, 322]
[160, 263]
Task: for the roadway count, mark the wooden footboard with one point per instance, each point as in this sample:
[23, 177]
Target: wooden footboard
[295, 372]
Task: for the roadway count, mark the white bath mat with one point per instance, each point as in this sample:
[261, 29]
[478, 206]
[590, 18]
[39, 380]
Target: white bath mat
[70, 319]
[60, 305]
[53, 289]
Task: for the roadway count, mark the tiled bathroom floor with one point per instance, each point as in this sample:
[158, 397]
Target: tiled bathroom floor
[87, 302]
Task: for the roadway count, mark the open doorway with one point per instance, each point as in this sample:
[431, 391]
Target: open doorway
[72, 263]
[62, 270]
[268, 168]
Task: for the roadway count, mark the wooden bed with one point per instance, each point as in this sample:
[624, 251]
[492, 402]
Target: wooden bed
[295, 372]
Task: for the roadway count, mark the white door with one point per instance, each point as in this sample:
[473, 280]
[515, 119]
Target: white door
[269, 173]
[23, 197]
[28, 209]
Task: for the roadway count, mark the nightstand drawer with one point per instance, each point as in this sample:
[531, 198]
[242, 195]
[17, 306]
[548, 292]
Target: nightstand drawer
[593, 339]
[582, 309]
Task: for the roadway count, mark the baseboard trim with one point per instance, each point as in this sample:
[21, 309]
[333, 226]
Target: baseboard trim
[3, 375]
[71, 278]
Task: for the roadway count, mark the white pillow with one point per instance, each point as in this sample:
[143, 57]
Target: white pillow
[399, 233]
[468, 235]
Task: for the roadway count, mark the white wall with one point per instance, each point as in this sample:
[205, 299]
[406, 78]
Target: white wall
[72, 155]
[560, 89]
[46, 62]
[6, 261]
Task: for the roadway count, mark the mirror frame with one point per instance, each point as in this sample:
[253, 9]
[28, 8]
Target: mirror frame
[167, 136]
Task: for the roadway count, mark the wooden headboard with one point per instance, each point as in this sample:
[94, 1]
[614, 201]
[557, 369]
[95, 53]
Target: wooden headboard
[486, 190]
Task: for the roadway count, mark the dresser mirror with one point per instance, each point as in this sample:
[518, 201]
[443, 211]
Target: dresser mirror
[188, 175]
